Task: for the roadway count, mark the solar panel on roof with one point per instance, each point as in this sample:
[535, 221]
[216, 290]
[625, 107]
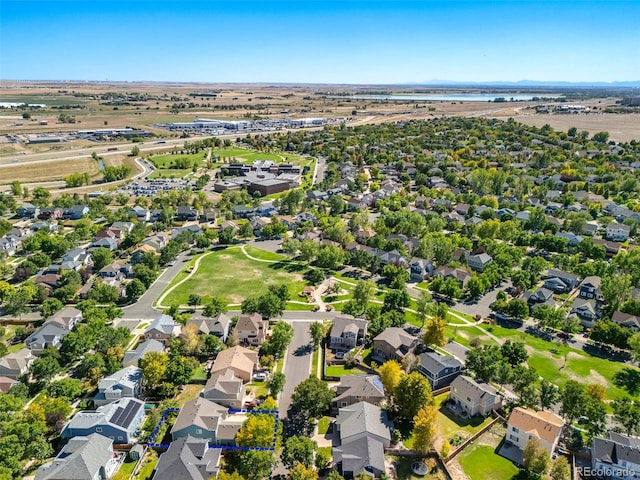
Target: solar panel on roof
[378, 383]
[129, 417]
[116, 415]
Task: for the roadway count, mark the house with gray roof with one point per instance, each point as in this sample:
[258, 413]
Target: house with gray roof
[162, 329]
[364, 431]
[82, 458]
[15, 364]
[347, 332]
[626, 320]
[218, 325]
[440, 370]
[357, 388]
[587, 311]
[394, 343]
[590, 288]
[479, 262]
[474, 398]
[188, 458]
[133, 357]
[48, 335]
[570, 280]
[202, 418]
[118, 421]
[617, 454]
[125, 383]
[226, 389]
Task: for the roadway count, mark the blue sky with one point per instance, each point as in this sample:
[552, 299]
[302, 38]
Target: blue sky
[308, 41]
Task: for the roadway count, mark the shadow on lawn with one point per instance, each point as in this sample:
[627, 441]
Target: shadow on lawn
[287, 267]
[473, 422]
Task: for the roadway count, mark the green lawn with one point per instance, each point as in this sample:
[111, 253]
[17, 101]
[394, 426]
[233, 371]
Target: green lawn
[480, 462]
[125, 470]
[450, 425]
[199, 373]
[323, 425]
[167, 161]
[259, 388]
[188, 393]
[169, 173]
[16, 347]
[314, 361]
[149, 465]
[404, 472]
[548, 358]
[231, 275]
[339, 370]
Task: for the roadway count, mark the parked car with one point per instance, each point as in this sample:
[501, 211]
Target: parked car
[260, 376]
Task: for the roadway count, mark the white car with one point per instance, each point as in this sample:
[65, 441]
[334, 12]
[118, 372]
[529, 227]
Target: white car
[340, 355]
[260, 376]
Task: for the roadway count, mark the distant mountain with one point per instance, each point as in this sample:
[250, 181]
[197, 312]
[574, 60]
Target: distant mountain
[533, 83]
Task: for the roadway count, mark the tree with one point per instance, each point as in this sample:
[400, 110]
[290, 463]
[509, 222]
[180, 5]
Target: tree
[281, 335]
[549, 394]
[396, 300]
[17, 303]
[435, 332]
[412, 394]
[312, 396]
[276, 384]
[616, 289]
[101, 258]
[627, 413]
[43, 368]
[67, 388]
[154, 367]
[424, 428]
[423, 306]
[390, 374]
[514, 352]
[134, 289]
[180, 369]
[135, 151]
[330, 256]
[362, 293]
[215, 307]
[194, 300]
[301, 472]
[334, 475]
[104, 293]
[573, 400]
[317, 332]
[560, 469]
[50, 307]
[298, 450]
[190, 337]
[308, 250]
[534, 457]
[634, 345]
[255, 464]
[229, 476]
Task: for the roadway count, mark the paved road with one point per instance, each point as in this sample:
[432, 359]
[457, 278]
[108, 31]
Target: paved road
[321, 167]
[143, 308]
[297, 364]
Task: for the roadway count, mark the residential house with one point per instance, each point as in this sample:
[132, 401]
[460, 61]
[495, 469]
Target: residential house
[218, 325]
[618, 232]
[118, 421]
[16, 364]
[188, 458]
[141, 214]
[133, 357]
[440, 370]
[460, 275]
[393, 343]
[626, 320]
[225, 389]
[587, 311]
[76, 212]
[163, 329]
[27, 210]
[357, 388]
[568, 281]
[106, 242]
[138, 254]
[187, 213]
[195, 229]
[616, 454]
[66, 318]
[347, 332]
[88, 457]
[77, 255]
[420, 269]
[474, 398]
[590, 229]
[611, 248]
[479, 262]
[6, 383]
[202, 418]
[251, 329]
[48, 335]
[240, 360]
[110, 271]
[590, 288]
[125, 383]
[525, 423]
[364, 431]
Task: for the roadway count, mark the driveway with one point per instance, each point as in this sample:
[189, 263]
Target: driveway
[481, 305]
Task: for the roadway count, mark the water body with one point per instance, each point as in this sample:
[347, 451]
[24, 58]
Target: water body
[459, 97]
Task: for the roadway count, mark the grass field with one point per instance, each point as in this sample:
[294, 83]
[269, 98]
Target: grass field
[199, 373]
[231, 275]
[125, 470]
[553, 361]
[450, 425]
[323, 425]
[34, 172]
[339, 370]
[480, 462]
[189, 392]
[168, 160]
[168, 173]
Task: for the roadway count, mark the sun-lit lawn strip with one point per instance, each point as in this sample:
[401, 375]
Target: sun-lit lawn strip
[166, 161]
[189, 392]
[199, 373]
[125, 470]
[147, 468]
[339, 370]
[480, 462]
[169, 173]
[231, 275]
[265, 254]
[16, 347]
[259, 388]
[323, 425]
[314, 361]
[307, 307]
[280, 364]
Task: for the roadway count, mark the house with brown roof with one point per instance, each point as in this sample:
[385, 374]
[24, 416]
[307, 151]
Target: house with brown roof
[626, 320]
[394, 343]
[252, 329]
[357, 388]
[6, 383]
[240, 360]
[524, 423]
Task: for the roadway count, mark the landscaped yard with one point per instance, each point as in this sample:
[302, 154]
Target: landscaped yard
[450, 425]
[231, 275]
[323, 425]
[260, 389]
[480, 462]
[188, 393]
[404, 472]
[339, 370]
[125, 470]
[199, 373]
